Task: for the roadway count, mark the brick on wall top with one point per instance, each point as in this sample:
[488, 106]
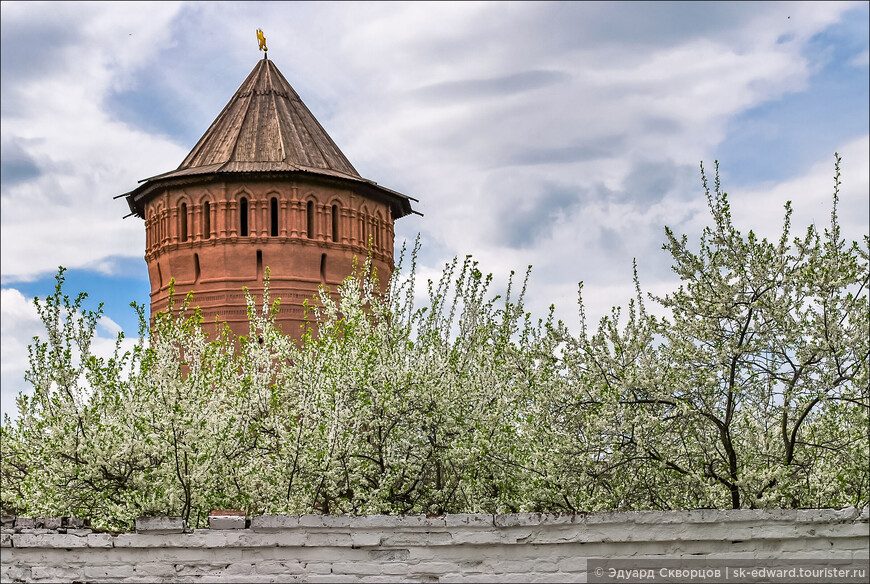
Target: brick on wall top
[235, 519]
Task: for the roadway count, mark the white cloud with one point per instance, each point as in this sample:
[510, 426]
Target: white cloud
[19, 324]
[84, 156]
[862, 60]
[762, 208]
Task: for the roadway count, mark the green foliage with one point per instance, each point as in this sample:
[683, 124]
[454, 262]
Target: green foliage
[752, 392]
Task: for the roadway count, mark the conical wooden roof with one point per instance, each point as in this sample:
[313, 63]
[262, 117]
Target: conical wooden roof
[265, 128]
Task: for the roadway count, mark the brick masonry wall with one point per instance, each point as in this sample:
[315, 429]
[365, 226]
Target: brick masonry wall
[453, 548]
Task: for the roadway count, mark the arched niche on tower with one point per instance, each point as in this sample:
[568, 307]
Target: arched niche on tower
[336, 232]
[160, 226]
[150, 234]
[310, 212]
[379, 232]
[275, 220]
[364, 226]
[182, 227]
[241, 218]
[206, 212]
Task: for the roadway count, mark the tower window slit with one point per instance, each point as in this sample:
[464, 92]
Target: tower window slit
[309, 211]
[323, 269]
[259, 264]
[196, 267]
[206, 220]
[335, 234]
[243, 217]
[274, 209]
[183, 221]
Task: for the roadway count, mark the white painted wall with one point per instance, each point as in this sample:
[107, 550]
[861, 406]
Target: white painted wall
[453, 548]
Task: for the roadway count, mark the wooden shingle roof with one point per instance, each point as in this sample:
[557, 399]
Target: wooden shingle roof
[265, 128]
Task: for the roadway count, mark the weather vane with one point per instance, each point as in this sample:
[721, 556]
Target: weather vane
[262, 40]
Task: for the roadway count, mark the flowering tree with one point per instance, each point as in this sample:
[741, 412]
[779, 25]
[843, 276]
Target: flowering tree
[769, 340]
[752, 391]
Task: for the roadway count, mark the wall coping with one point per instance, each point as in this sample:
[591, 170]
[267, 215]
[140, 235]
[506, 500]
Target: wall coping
[230, 528]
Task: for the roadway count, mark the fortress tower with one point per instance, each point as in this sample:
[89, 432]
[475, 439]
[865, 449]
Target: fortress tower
[265, 186]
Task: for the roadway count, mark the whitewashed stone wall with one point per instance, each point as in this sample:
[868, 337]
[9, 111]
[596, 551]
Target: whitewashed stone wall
[453, 548]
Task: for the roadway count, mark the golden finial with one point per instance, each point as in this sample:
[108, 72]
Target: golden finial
[262, 40]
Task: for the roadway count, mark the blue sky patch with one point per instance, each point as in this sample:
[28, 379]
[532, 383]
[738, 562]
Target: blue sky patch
[782, 138]
[128, 283]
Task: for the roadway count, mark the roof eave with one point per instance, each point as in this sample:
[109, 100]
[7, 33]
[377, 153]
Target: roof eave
[399, 202]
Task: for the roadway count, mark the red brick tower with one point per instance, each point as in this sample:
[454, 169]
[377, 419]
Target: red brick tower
[265, 186]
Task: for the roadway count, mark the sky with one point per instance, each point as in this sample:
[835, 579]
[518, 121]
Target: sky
[562, 135]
